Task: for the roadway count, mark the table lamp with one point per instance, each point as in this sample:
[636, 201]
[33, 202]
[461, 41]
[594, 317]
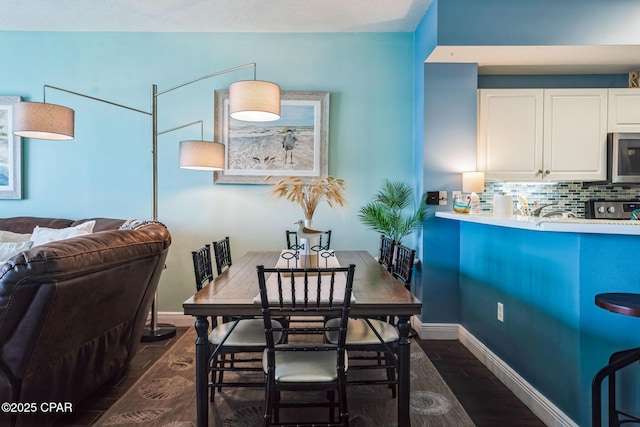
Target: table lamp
[473, 182]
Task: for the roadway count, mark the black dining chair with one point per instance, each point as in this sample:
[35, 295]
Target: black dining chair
[324, 242]
[373, 344]
[203, 271]
[375, 339]
[202, 266]
[402, 268]
[387, 252]
[303, 364]
[230, 336]
[222, 254]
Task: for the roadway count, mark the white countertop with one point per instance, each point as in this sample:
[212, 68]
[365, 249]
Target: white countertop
[564, 225]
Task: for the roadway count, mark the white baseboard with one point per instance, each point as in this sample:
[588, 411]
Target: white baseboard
[542, 407]
[177, 319]
[435, 331]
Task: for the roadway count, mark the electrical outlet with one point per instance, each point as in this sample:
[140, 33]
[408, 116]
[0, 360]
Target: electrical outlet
[442, 198]
[500, 312]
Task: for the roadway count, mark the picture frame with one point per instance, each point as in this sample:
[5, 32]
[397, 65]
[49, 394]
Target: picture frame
[10, 152]
[262, 153]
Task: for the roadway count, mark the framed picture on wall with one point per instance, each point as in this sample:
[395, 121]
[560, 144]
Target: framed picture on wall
[10, 152]
[262, 153]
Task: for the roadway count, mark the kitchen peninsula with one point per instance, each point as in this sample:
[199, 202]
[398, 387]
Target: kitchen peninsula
[545, 274]
[566, 225]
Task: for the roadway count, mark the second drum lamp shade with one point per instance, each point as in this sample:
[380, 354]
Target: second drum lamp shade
[201, 155]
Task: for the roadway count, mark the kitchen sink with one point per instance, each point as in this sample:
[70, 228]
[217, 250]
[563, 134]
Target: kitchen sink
[559, 214]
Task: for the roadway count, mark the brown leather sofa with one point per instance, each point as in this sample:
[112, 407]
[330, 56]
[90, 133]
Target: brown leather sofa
[72, 313]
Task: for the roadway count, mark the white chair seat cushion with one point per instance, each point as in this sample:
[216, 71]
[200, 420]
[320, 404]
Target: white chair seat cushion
[249, 332]
[358, 332]
[305, 366]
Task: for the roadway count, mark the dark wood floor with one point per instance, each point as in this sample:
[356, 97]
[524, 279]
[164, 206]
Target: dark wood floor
[487, 401]
[88, 412]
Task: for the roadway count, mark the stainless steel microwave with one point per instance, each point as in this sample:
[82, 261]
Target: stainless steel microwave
[623, 152]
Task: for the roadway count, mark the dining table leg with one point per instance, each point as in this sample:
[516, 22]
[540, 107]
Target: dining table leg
[404, 369]
[202, 371]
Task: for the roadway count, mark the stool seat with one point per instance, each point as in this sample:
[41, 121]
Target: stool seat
[623, 303]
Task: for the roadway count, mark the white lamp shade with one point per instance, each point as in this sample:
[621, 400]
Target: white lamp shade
[42, 121]
[254, 101]
[472, 182]
[201, 155]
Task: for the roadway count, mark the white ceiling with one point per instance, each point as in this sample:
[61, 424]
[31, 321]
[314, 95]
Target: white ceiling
[213, 15]
[301, 16]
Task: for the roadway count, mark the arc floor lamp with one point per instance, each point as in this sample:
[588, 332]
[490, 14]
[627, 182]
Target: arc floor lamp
[249, 100]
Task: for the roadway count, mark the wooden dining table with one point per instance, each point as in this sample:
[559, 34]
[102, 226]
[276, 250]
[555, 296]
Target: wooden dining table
[233, 293]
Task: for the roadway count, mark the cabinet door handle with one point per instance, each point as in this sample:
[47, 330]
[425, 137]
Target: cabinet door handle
[539, 172]
[547, 172]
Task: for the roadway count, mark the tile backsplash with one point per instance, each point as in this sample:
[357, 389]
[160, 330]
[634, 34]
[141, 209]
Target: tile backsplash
[568, 195]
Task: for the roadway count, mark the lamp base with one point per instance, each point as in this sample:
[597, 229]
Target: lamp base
[164, 331]
[474, 201]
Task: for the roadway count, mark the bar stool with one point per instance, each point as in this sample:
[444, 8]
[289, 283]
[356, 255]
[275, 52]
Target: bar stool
[627, 304]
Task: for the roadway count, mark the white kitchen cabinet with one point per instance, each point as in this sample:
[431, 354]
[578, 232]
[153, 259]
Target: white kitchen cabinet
[624, 110]
[510, 133]
[575, 135]
[535, 134]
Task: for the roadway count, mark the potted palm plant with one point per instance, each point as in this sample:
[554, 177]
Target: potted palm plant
[388, 211]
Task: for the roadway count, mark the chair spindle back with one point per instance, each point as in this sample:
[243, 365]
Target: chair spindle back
[222, 253]
[202, 266]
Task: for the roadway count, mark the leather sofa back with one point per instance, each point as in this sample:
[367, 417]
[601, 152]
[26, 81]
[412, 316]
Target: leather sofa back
[72, 312]
[26, 224]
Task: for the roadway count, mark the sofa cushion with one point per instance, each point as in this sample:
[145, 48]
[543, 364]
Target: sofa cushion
[9, 249]
[42, 235]
[102, 224]
[10, 236]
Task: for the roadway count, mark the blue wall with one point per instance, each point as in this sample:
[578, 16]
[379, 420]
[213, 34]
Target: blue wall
[553, 334]
[450, 130]
[541, 22]
[536, 276]
[106, 169]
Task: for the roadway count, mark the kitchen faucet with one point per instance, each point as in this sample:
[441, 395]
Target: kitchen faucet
[537, 211]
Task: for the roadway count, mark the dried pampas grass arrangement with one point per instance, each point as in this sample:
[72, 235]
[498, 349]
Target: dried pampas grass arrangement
[308, 194]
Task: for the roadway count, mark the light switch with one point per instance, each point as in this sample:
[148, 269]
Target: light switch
[432, 197]
[442, 198]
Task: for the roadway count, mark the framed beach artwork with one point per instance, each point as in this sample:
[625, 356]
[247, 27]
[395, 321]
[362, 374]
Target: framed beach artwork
[262, 153]
[10, 152]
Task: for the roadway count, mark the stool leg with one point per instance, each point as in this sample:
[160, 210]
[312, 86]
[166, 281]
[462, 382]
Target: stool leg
[596, 398]
[617, 361]
[613, 414]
